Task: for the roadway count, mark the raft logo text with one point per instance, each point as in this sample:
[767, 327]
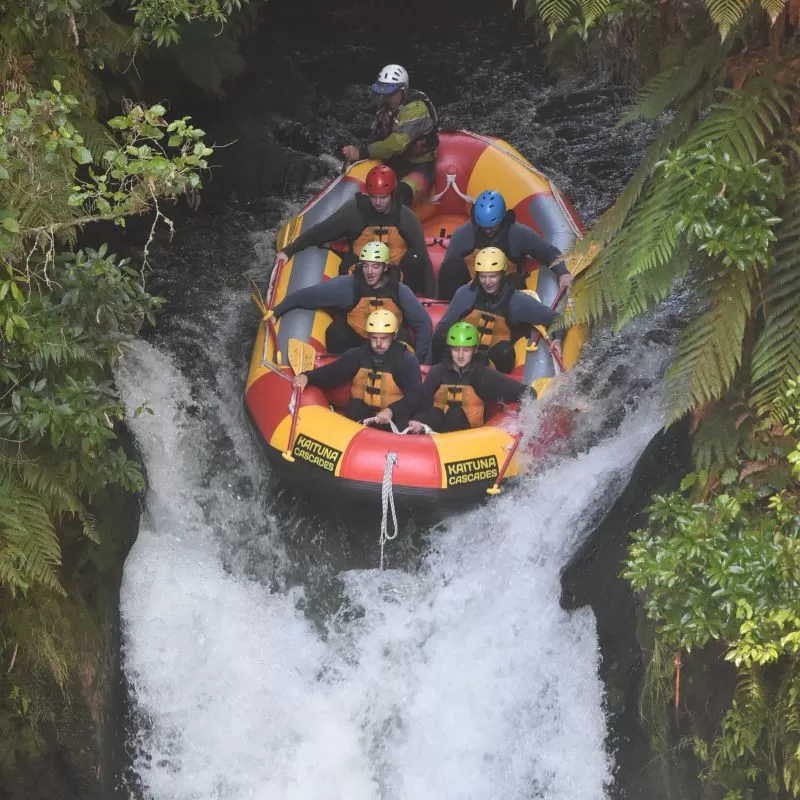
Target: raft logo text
[316, 453]
[470, 470]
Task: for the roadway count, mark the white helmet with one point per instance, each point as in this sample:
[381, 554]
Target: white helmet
[391, 78]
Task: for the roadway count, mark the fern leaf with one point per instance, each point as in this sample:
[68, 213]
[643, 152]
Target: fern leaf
[554, 12]
[709, 350]
[29, 548]
[670, 87]
[726, 13]
[593, 9]
[773, 8]
[776, 356]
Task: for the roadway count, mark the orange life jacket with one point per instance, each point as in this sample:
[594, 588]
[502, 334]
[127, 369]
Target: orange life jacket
[380, 228]
[490, 315]
[368, 299]
[375, 381]
[456, 389]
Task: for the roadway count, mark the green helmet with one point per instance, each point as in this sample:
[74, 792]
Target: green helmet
[462, 334]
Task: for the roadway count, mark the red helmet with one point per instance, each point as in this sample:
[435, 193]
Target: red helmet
[381, 180]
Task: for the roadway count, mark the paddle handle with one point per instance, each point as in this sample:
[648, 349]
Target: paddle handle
[495, 487]
[287, 454]
[556, 300]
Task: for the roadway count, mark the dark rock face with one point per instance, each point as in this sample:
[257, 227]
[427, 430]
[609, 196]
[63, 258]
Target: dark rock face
[593, 578]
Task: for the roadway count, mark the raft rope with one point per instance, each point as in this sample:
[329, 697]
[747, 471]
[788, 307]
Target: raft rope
[451, 184]
[387, 504]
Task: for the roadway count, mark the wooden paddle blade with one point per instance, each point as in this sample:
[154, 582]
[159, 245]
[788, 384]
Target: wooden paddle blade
[302, 356]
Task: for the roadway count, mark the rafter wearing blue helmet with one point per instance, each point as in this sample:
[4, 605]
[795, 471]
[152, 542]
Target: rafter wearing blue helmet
[493, 225]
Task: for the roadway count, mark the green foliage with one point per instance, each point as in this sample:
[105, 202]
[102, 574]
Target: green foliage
[726, 568]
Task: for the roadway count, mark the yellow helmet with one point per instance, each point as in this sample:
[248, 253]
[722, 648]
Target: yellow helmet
[375, 251]
[382, 321]
[490, 259]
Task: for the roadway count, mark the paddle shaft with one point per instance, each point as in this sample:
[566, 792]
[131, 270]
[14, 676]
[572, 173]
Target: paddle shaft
[495, 488]
[293, 430]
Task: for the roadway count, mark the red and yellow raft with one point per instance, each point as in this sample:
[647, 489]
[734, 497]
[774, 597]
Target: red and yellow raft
[331, 452]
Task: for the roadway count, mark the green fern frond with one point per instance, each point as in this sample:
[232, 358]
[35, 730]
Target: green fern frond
[670, 87]
[709, 350]
[48, 482]
[593, 9]
[30, 552]
[745, 122]
[726, 13]
[554, 12]
[776, 356]
[773, 8]
[96, 137]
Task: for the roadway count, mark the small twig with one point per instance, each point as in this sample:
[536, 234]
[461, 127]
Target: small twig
[13, 658]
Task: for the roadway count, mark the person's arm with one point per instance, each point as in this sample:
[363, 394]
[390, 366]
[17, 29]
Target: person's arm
[336, 293]
[430, 386]
[522, 239]
[413, 121]
[528, 310]
[411, 230]
[493, 385]
[338, 225]
[462, 301]
[453, 271]
[409, 379]
[337, 372]
[418, 320]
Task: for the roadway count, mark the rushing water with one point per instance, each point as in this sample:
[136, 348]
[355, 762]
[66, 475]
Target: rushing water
[266, 656]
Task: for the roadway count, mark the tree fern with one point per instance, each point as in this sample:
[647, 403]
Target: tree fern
[670, 87]
[709, 350]
[776, 356]
[746, 121]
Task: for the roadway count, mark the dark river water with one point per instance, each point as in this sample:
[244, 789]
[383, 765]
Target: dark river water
[266, 655]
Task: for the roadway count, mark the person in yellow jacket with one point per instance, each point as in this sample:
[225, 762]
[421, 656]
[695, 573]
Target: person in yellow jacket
[405, 134]
[385, 378]
[457, 393]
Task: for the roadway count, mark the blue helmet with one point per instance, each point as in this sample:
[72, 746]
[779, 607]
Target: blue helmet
[489, 209]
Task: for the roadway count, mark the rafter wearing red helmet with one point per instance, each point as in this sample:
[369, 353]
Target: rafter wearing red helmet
[374, 216]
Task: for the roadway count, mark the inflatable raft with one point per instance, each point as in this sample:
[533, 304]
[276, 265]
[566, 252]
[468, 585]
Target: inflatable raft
[327, 451]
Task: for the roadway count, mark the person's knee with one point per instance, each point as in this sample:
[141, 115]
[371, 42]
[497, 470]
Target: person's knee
[503, 357]
[405, 193]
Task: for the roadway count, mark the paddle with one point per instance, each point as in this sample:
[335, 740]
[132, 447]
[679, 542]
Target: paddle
[269, 324]
[302, 357]
[542, 334]
[495, 488]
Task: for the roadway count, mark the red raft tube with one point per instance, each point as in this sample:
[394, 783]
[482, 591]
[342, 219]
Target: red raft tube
[330, 453]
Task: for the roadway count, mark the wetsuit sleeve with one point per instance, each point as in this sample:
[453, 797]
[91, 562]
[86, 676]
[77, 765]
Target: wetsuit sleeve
[493, 385]
[340, 225]
[411, 230]
[453, 271]
[334, 294]
[413, 121]
[461, 303]
[409, 379]
[524, 240]
[418, 320]
[343, 370]
[430, 386]
[528, 310]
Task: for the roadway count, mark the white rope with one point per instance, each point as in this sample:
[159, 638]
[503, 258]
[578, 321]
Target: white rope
[387, 503]
[371, 421]
[451, 183]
